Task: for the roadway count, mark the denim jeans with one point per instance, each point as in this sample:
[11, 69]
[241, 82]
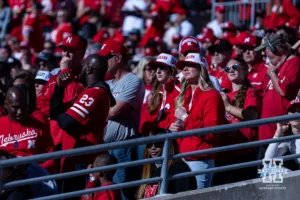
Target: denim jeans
[203, 180]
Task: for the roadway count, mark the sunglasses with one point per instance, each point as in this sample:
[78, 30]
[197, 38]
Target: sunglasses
[247, 48]
[157, 144]
[235, 67]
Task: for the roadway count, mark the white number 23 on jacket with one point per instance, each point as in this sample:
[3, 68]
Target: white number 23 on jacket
[86, 100]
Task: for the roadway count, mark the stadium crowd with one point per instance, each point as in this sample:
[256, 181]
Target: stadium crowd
[80, 73]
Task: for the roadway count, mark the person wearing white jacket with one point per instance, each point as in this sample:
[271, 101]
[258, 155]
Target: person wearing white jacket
[293, 127]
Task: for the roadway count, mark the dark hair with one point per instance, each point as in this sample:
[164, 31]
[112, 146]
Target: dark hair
[53, 45]
[30, 89]
[5, 3]
[4, 69]
[240, 97]
[7, 47]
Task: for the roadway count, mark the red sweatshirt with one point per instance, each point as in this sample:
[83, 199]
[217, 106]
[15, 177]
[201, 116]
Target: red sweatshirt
[105, 195]
[72, 91]
[285, 14]
[205, 109]
[160, 118]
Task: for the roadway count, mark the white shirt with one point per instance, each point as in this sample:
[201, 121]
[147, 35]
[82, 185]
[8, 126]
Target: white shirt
[216, 27]
[186, 28]
[278, 149]
[132, 22]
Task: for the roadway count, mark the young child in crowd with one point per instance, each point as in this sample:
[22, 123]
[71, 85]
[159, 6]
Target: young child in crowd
[102, 179]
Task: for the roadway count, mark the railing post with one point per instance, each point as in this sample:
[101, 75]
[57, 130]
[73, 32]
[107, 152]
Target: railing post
[252, 13]
[164, 168]
[213, 10]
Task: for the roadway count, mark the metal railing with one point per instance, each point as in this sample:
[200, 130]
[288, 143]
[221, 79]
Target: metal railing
[240, 13]
[164, 158]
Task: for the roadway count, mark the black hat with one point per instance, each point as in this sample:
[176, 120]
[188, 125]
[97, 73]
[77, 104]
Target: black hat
[220, 45]
[44, 56]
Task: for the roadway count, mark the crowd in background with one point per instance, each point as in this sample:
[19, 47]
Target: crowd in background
[80, 73]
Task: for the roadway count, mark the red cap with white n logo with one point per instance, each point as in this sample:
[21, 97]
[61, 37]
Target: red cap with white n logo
[73, 42]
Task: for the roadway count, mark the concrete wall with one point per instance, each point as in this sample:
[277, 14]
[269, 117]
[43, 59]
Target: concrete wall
[246, 190]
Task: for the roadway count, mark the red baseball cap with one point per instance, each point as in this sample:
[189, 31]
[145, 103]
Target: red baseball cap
[112, 47]
[220, 9]
[292, 104]
[239, 39]
[227, 35]
[73, 42]
[228, 25]
[206, 37]
[149, 51]
[189, 43]
[252, 41]
[176, 37]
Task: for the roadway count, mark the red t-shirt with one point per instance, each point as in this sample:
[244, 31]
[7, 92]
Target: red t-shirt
[85, 110]
[36, 39]
[105, 195]
[252, 100]
[273, 103]
[25, 140]
[258, 77]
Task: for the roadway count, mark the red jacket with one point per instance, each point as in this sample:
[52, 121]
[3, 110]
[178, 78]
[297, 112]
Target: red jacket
[72, 91]
[205, 109]
[287, 14]
[161, 117]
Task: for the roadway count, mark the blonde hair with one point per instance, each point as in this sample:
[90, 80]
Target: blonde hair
[147, 169]
[139, 70]
[204, 84]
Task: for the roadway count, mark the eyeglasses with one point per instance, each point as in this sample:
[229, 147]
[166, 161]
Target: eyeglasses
[157, 144]
[235, 67]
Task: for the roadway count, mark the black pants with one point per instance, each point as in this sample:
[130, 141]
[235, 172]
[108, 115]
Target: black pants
[236, 175]
[73, 184]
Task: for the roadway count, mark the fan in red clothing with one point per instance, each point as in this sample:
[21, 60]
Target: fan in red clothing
[82, 122]
[161, 101]
[63, 28]
[221, 53]
[207, 38]
[257, 70]
[237, 42]
[281, 12]
[21, 133]
[155, 22]
[284, 74]
[32, 30]
[113, 31]
[229, 30]
[199, 105]
[73, 50]
[243, 103]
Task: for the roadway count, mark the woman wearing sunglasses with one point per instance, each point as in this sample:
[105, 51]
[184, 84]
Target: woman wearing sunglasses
[293, 127]
[241, 104]
[199, 105]
[165, 90]
[150, 170]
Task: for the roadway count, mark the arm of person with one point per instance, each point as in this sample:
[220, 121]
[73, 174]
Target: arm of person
[275, 150]
[126, 98]
[56, 102]
[82, 10]
[74, 122]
